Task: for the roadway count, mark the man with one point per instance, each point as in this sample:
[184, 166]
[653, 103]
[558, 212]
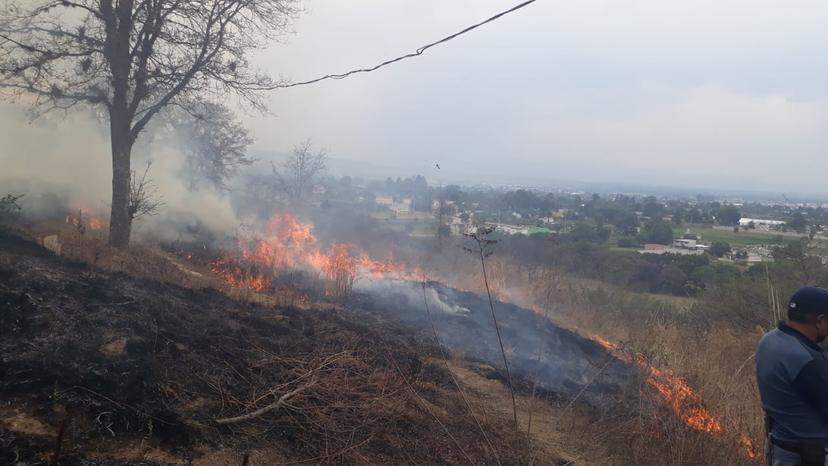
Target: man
[792, 374]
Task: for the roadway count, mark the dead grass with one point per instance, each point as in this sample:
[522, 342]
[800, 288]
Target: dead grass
[716, 362]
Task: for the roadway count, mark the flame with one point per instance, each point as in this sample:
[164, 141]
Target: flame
[286, 243]
[83, 218]
[679, 396]
[674, 390]
[750, 448]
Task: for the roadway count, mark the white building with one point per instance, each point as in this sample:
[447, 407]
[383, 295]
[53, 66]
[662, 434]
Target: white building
[404, 206]
[760, 224]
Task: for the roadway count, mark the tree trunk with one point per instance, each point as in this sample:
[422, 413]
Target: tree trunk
[117, 51]
[120, 220]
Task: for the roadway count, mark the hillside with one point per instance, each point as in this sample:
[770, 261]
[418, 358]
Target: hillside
[107, 369]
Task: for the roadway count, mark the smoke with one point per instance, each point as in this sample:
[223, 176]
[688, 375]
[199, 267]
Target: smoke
[411, 295]
[62, 162]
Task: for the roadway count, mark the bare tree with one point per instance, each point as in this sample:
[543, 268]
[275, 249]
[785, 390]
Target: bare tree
[214, 142]
[132, 59]
[300, 170]
[143, 196]
[481, 247]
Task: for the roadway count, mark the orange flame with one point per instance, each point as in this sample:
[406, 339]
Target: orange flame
[674, 390]
[751, 450]
[89, 221]
[680, 397]
[286, 243]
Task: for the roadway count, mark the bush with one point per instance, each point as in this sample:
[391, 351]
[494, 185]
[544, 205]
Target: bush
[9, 210]
[720, 248]
[629, 242]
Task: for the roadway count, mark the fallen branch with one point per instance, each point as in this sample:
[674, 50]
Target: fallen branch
[266, 409]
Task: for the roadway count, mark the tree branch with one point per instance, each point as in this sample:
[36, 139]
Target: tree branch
[266, 409]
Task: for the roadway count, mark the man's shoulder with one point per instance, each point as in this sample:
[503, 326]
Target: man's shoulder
[778, 347]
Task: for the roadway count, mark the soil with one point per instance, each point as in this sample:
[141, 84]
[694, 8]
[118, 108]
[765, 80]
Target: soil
[139, 372]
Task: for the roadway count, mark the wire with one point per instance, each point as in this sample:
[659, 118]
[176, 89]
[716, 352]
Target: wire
[416, 53]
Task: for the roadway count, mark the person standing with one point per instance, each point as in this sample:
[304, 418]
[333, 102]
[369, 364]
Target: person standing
[792, 374]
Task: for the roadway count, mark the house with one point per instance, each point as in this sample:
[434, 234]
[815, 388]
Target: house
[386, 201]
[685, 243]
[760, 224]
[689, 244]
[460, 227]
[403, 206]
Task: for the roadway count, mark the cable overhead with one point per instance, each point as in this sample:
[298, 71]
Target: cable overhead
[417, 53]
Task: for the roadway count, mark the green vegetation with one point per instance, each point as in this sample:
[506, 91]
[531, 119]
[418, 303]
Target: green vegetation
[659, 232]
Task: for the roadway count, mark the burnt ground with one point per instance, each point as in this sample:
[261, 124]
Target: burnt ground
[139, 371]
[545, 355]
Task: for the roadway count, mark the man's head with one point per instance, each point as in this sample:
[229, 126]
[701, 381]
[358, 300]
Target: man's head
[808, 308]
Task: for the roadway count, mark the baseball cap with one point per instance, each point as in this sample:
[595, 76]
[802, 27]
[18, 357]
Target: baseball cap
[809, 300]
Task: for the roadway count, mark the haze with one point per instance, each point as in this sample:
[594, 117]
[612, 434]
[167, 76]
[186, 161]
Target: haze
[701, 94]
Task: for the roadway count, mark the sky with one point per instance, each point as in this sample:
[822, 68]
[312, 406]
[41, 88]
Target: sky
[708, 94]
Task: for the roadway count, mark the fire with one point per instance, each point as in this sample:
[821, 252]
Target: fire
[679, 396]
[751, 450]
[686, 403]
[81, 218]
[286, 243]
[674, 390]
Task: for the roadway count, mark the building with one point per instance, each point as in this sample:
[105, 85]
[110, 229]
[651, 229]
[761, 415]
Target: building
[760, 224]
[650, 248]
[685, 243]
[386, 201]
[689, 244]
[402, 206]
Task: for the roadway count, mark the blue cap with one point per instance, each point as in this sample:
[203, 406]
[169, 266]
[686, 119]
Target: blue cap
[809, 300]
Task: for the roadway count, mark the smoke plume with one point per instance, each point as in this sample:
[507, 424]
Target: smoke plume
[62, 162]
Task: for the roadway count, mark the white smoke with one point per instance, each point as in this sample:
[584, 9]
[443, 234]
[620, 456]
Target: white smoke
[412, 293]
[65, 159]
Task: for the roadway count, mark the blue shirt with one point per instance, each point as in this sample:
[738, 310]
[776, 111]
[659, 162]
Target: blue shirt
[792, 374]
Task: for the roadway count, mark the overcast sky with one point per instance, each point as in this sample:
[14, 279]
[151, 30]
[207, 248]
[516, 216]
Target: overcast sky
[707, 93]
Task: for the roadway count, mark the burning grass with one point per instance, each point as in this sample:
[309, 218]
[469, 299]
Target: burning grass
[127, 360]
[288, 244]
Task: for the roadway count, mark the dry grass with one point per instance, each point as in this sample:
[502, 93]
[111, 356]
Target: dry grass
[714, 360]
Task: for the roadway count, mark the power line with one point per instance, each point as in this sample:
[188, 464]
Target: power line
[417, 53]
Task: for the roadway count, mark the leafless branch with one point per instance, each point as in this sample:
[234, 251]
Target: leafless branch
[481, 249]
[300, 170]
[266, 409]
[143, 193]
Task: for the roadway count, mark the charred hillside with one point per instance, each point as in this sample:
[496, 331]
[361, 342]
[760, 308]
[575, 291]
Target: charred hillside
[552, 358]
[133, 371]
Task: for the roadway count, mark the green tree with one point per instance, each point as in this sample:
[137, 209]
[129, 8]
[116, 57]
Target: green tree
[679, 215]
[798, 223]
[658, 231]
[653, 209]
[719, 248]
[728, 215]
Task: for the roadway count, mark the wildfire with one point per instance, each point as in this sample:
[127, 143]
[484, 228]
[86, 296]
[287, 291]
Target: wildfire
[287, 243]
[674, 390]
[679, 396]
[81, 218]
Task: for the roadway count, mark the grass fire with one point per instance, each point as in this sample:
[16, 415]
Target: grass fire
[265, 232]
[288, 244]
